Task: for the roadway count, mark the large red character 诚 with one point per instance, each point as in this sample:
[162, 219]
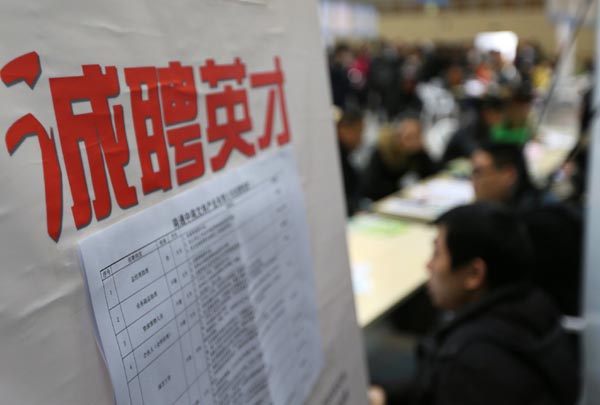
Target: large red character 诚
[27, 68]
[29, 125]
[230, 131]
[103, 142]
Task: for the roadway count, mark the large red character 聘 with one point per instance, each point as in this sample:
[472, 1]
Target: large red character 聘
[180, 108]
[148, 126]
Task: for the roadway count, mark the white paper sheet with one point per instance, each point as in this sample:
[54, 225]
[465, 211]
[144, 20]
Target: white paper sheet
[444, 191]
[409, 208]
[428, 200]
[209, 297]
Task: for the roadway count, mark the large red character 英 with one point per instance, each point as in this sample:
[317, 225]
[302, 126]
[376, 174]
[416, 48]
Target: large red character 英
[230, 131]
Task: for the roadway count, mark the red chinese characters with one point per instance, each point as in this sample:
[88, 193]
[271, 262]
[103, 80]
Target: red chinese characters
[29, 125]
[148, 126]
[180, 108]
[230, 131]
[164, 111]
[103, 142]
[274, 78]
[27, 68]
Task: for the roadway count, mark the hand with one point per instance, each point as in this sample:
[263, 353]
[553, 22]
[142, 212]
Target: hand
[376, 395]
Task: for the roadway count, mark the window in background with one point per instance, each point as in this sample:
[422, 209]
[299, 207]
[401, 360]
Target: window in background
[504, 42]
[340, 19]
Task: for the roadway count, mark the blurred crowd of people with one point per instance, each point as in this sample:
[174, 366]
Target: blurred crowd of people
[491, 100]
[384, 77]
[411, 89]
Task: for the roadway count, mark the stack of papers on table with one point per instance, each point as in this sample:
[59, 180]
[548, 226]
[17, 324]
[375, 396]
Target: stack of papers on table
[428, 200]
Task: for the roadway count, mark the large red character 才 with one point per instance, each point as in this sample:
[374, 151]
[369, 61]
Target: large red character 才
[273, 78]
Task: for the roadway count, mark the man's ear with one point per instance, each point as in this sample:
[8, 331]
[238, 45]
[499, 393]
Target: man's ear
[476, 274]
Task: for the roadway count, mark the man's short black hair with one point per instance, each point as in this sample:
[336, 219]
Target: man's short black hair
[492, 233]
[493, 103]
[508, 154]
[350, 115]
[408, 114]
[340, 48]
[522, 93]
[504, 154]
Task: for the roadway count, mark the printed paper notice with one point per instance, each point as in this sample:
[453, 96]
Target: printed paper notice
[209, 297]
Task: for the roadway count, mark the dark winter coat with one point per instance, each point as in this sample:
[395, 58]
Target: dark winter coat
[465, 141]
[387, 166]
[351, 181]
[506, 349]
[381, 179]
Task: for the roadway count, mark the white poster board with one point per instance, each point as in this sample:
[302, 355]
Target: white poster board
[111, 108]
[591, 278]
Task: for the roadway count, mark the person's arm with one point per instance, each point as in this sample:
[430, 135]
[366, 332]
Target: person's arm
[454, 148]
[424, 165]
[376, 181]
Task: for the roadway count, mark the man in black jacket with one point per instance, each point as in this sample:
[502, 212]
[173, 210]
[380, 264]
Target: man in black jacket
[556, 229]
[502, 343]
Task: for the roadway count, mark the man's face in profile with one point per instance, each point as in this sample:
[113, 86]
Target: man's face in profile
[408, 137]
[446, 286]
[489, 182]
[350, 134]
